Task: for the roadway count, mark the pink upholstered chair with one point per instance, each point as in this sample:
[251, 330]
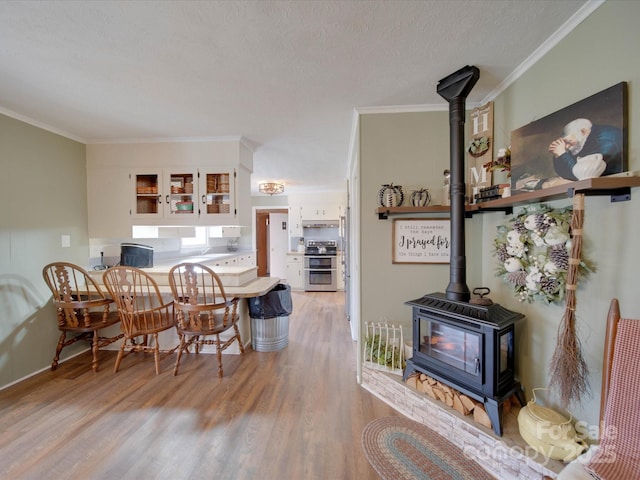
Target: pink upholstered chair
[618, 455]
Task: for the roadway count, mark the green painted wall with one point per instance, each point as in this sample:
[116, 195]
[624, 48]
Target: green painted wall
[587, 61]
[42, 197]
[413, 148]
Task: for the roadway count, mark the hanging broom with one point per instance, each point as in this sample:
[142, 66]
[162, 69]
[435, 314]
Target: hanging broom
[569, 371]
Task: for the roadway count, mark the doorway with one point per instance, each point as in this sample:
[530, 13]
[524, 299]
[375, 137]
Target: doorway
[262, 239]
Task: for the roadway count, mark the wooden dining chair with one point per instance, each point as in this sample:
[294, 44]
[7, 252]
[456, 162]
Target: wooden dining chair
[202, 310]
[144, 313]
[616, 457]
[82, 309]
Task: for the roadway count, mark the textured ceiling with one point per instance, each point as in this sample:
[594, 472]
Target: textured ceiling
[285, 75]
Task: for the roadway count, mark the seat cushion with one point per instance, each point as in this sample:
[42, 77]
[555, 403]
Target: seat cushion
[576, 470]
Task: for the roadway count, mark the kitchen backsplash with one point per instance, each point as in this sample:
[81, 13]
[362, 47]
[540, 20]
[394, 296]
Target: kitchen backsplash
[329, 233]
[162, 248]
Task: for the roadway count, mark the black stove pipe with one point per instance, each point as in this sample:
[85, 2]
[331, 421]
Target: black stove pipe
[454, 89]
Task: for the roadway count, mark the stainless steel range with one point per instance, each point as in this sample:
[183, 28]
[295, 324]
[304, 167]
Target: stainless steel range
[320, 269]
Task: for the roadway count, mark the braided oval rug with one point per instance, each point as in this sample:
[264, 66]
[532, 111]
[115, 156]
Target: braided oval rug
[401, 449]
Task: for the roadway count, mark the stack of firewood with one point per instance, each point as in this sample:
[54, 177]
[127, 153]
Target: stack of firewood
[460, 402]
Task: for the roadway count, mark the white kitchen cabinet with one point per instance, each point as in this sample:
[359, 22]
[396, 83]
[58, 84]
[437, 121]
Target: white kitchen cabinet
[164, 195]
[225, 231]
[295, 272]
[130, 184]
[295, 220]
[247, 260]
[324, 211]
[217, 195]
[231, 261]
[240, 260]
[108, 203]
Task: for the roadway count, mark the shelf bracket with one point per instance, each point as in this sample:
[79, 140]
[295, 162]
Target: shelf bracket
[383, 215]
[508, 210]
[623, 195]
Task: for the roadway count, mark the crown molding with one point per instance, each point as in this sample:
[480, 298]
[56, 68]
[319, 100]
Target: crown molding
[402, 109]
[565, 29]
[228, 138]
[41, 125]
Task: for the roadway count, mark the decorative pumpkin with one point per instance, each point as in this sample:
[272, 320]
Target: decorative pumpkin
[420, 198]
[390, 195]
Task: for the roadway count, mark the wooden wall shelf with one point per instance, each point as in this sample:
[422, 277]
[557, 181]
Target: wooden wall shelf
[618, 188]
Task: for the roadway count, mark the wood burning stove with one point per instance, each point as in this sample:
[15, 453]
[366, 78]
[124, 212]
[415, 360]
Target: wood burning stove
[468, 347]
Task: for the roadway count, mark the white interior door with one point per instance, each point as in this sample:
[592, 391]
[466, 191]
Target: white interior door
[278, 244]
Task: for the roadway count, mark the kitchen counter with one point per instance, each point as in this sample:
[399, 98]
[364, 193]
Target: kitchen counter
[231, 276]
[254, 288]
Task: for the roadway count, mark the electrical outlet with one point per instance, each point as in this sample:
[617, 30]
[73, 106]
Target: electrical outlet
[65, 241]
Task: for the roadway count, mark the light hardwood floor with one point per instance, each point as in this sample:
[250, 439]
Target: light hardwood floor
[293, 414]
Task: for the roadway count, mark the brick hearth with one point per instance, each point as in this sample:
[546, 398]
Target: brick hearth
[507, 457]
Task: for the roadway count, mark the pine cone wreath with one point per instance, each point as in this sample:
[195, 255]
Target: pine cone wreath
[501, 252]
[543, 223]
[559, 256]
[518, 278]
[549, 285]
[518, 226]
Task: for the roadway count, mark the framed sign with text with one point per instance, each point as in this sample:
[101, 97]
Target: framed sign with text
[421, 240]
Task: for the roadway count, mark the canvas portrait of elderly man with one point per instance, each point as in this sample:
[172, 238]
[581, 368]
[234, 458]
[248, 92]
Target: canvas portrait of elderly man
[584, 140]
[586, 150]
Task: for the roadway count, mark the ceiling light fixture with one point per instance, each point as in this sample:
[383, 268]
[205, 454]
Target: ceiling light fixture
[271, 188]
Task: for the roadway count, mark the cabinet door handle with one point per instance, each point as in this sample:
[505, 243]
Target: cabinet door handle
[204, 199]
[166, 199]
[159, 199]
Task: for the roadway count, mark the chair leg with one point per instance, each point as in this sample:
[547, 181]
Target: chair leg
[59, 348]
[94, 350]
[219, 355]
[120, 355]
[156, 353]
[183, 344]
[237, 331]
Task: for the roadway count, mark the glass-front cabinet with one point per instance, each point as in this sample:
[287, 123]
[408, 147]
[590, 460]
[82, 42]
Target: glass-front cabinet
[217, 195]
[148, 198]
[181, 199]
[167, 194]
[167, 184]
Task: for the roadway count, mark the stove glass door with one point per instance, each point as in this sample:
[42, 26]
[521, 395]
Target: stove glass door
[456, 347]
